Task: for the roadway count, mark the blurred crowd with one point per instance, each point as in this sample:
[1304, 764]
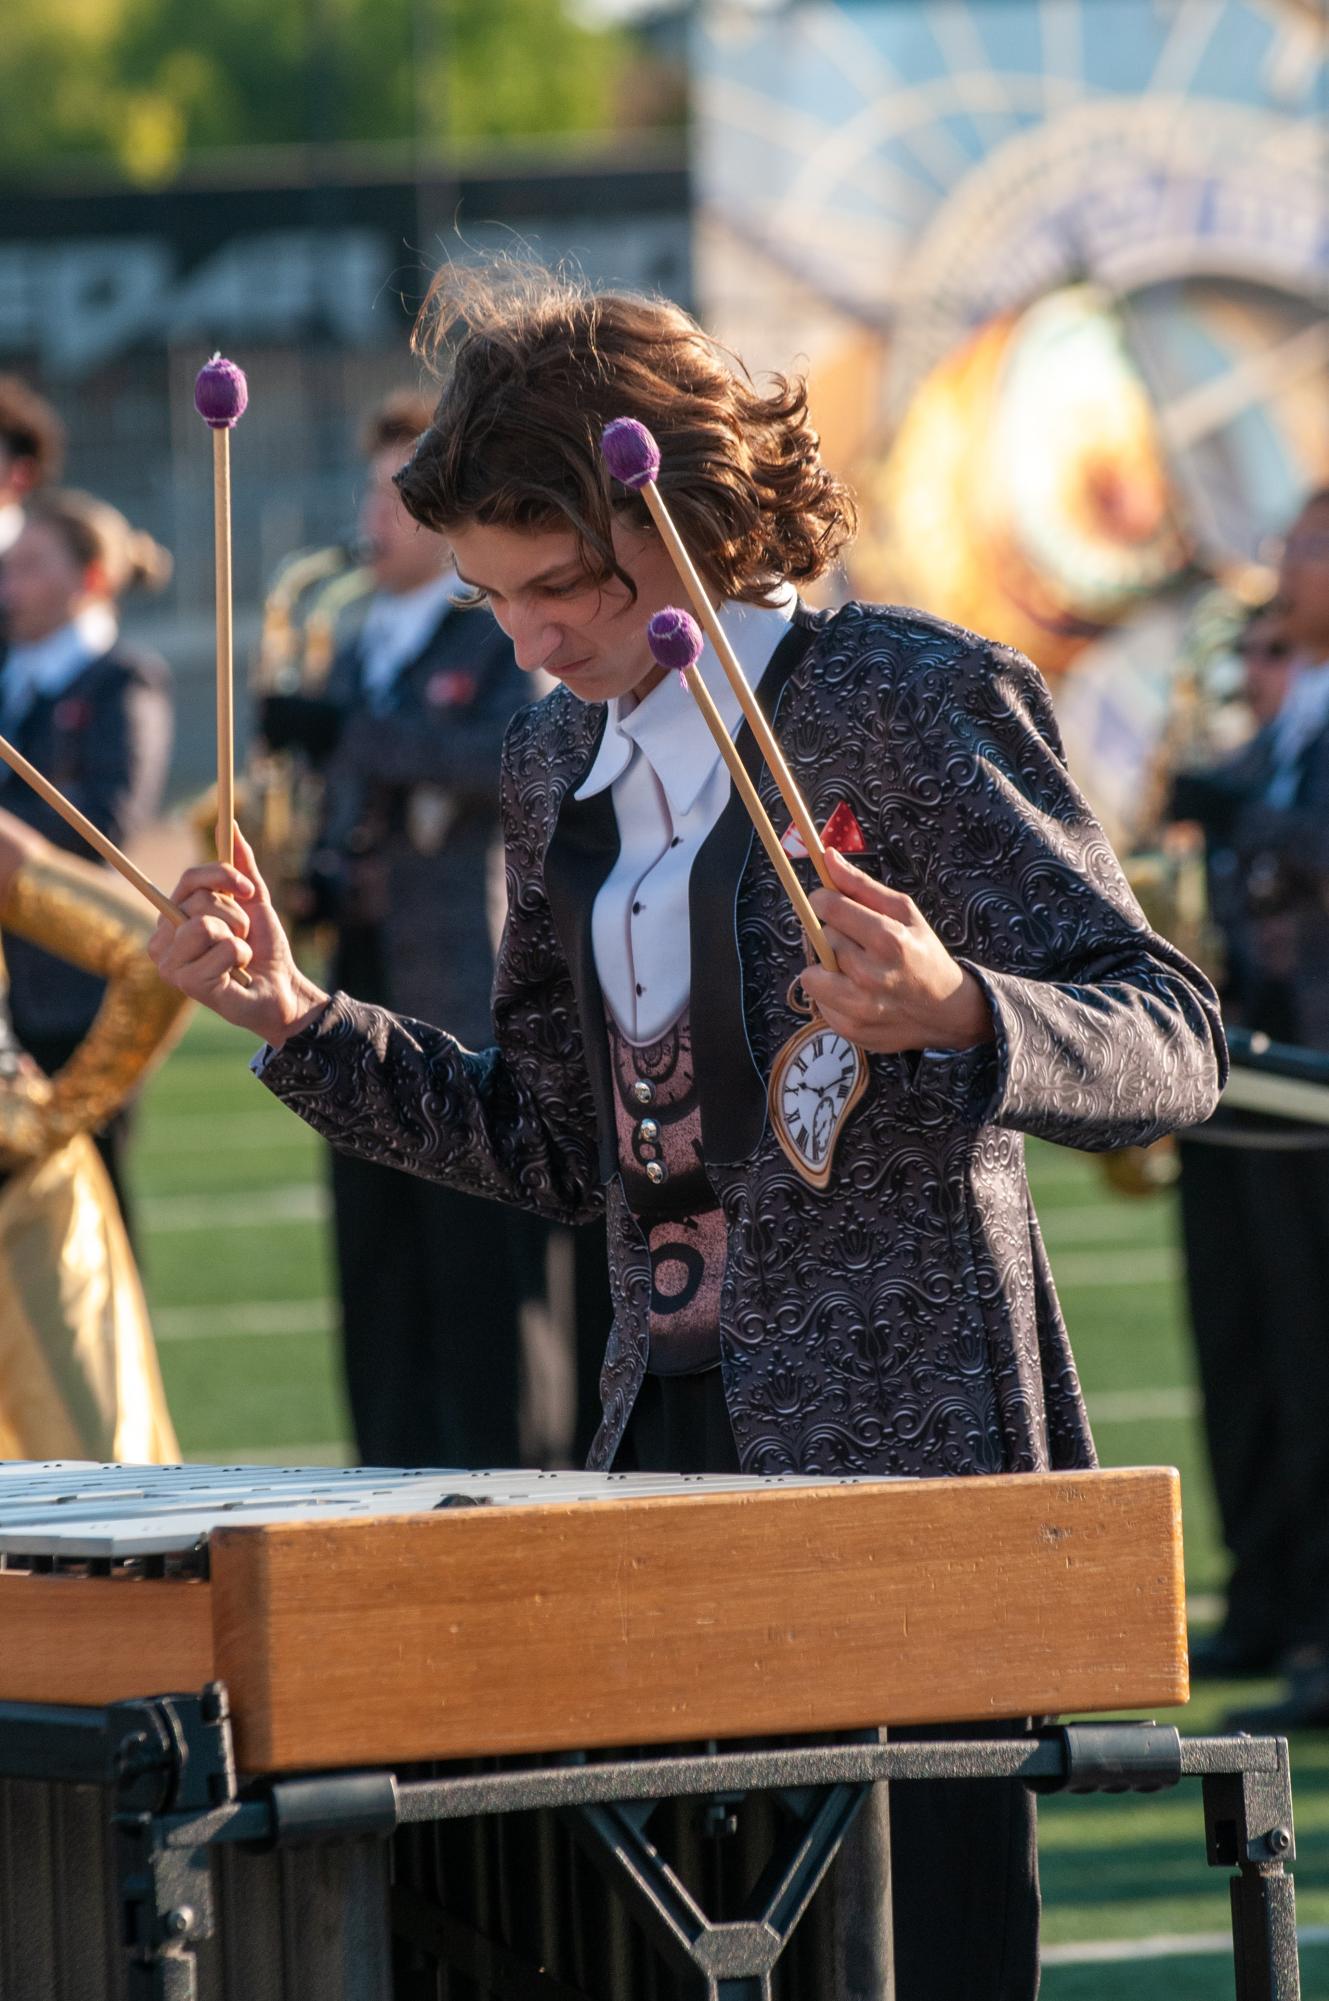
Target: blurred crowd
[471, 1334]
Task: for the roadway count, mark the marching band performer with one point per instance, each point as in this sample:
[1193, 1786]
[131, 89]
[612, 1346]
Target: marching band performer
[406, 869]
[78, 1368]
[992, 967]
[95, 716]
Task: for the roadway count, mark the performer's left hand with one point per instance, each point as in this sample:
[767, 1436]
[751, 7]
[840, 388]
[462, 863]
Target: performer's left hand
[898, 987]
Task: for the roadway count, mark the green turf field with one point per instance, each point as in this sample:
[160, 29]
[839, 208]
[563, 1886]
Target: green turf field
[235, 1258]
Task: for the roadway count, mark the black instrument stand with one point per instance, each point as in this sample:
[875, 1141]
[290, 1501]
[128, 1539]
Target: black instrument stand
[180, 1825]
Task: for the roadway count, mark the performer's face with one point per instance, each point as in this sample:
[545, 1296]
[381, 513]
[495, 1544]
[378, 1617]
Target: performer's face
[1267, 658]
[42, 587]
[402, 554]
[590, 636]
[1303, 584]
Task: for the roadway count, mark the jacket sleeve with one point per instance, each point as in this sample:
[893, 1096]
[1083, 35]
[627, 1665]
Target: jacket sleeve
[516, 1121]
[1105, 1035]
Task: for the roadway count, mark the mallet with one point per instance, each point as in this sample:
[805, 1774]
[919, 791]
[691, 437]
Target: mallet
[220, 397]
[633, 457]
[100, 843]
[675, 641]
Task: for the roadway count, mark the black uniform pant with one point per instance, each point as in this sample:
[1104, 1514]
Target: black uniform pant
[431, 1289]
[963, 1853]
[1255, 1224]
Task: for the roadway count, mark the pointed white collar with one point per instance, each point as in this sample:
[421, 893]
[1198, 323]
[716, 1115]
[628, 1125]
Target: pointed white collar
[667, 727]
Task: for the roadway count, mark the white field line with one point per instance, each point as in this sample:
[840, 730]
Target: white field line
[307, 1202]
[1129, 1406]
[1165, 1945]
[1110, 1221]
[325, 1454]
[293, 1202]
[257, 1316]
[195, 1132]
[1151, 1264]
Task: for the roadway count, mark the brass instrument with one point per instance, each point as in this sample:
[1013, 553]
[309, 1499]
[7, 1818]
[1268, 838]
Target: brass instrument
[278, 796]
[300, 616]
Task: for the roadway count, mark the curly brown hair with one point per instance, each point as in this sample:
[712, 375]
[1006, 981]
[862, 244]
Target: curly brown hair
[398, 420]
[533, 367]
[30, 429]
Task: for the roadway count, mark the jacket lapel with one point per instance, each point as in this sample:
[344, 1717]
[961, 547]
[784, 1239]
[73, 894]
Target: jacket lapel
[581, 852]
[583, 849]
[730, 1086]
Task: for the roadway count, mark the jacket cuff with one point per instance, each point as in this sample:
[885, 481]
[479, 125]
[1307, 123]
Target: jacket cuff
[297, 1065]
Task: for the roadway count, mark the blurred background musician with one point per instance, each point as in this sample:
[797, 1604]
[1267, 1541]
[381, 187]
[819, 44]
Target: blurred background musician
[78, 1369]
[32, 449]
[1254, 1189]
[95, 717]
[406, 870]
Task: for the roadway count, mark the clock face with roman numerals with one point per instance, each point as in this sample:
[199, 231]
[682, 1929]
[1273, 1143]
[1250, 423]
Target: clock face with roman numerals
[818, 1078]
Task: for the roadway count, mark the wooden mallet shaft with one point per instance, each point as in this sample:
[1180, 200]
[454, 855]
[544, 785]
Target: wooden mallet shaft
[221, 396]
[98, 841]
[221, 503]
[676, 643]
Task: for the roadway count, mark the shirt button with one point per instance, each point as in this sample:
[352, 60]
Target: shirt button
[640, 988]
[649, 1131]
[643, 1092]
[677, 838]
[656, 1171]
[636, 910]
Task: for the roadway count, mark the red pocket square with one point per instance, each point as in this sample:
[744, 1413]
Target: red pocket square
[841, 832]
[451, 688]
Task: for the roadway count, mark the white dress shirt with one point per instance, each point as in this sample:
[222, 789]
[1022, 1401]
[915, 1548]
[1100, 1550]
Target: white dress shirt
[46, 667]
[11, 525]
[395, 630]
[1304, 713]
[669, 786]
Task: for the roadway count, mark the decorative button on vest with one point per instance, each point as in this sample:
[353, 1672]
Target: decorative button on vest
[668, 1190]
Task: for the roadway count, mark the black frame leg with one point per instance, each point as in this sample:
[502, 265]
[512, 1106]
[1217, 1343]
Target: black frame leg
[733, 1960]
[1248, 1827]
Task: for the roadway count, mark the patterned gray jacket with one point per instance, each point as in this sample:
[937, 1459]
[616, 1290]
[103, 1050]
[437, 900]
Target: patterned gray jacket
[904, 1319]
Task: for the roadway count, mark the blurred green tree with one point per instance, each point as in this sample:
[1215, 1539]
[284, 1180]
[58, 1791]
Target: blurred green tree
[140, 84]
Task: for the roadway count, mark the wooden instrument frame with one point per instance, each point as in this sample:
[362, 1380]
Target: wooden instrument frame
[573, 1625]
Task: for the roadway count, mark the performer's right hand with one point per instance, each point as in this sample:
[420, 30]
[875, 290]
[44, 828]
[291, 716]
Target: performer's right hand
[231, 923]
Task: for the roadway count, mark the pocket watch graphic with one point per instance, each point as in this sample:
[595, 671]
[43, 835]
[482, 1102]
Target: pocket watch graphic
[817, 1079]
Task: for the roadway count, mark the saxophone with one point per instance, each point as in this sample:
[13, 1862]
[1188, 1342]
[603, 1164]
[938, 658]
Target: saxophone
[278, 795]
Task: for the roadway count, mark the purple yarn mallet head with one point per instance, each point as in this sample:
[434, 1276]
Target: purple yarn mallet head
[675, 640]
[221, 393]
[630, 452]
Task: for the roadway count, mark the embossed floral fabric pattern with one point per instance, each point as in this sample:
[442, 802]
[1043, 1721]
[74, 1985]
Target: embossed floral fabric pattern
[904, 1320]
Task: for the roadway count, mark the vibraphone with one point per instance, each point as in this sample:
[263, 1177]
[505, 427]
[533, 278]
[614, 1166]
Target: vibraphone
[222, 1689]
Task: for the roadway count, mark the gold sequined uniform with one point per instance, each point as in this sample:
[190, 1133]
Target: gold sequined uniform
[78, 1368]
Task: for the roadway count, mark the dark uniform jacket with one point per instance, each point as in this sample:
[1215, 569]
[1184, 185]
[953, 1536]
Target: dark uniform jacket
[1268, 870]
[105, 741]
[408, 857]
[903, 1320]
